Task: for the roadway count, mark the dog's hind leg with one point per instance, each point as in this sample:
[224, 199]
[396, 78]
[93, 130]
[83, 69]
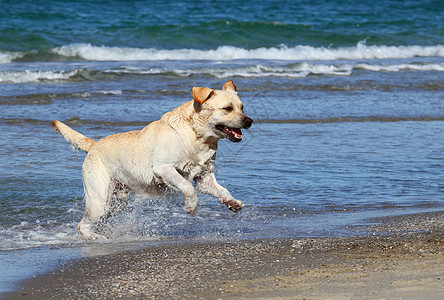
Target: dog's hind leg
[97, 184]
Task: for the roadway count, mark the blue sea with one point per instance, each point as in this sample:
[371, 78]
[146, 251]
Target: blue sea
[347, 98]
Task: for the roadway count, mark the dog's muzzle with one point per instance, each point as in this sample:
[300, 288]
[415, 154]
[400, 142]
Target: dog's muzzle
[231, 133]
[235, 134]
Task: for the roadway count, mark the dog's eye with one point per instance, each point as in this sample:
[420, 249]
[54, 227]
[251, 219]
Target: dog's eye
[228, 108]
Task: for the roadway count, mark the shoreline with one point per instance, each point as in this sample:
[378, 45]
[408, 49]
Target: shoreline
[402, 259]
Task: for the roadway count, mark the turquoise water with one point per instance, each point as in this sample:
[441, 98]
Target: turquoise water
[347, 100]
[43, 25]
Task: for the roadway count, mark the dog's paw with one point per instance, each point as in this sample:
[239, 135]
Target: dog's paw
[233, 205]
[190, 209]
[190, 206]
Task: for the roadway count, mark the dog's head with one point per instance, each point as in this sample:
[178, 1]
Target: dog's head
[221, 112]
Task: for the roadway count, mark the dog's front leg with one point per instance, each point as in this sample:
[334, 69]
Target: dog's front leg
[169, 175]
[207, 183]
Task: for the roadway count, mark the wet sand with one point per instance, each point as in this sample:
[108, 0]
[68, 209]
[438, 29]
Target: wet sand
[401, 258]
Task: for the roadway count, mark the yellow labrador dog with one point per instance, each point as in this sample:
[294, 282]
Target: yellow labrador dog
[166, 155]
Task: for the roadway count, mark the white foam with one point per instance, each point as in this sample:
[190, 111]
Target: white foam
[34, 76]
[297, 70]
[360, 51]
[294, 70]
[402, 67]
[112, 92]
[28, 235]
[7, 57]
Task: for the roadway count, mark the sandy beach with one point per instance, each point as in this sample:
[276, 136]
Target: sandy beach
[401, 259]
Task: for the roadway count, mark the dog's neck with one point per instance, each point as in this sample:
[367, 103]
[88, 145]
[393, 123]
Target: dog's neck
[184, 118]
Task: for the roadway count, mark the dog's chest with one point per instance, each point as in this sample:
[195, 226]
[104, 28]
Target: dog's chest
[199, 163]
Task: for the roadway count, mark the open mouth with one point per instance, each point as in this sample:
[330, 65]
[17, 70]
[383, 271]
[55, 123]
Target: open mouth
[233, 134]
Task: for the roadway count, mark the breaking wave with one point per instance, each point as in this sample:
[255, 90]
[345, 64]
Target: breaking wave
[35, 76]
[7, 56]
[103, 53]
[293, 70]
[360, 51]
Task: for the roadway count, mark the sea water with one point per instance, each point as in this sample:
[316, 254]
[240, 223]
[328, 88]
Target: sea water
[347, 100]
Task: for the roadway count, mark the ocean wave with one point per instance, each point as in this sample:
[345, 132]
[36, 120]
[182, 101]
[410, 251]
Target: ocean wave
[37, 234]
[247, 70]
[7, 56]
[360, 51]
[298, 70]
[35, 76]
[402, 67]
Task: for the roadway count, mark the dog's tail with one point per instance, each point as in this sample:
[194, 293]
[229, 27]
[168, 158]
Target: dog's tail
[76, 139]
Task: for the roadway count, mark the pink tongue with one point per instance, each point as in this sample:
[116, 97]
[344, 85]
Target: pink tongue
[237, 133]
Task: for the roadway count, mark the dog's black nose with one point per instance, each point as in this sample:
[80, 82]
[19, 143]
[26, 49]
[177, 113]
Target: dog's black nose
[247, 122]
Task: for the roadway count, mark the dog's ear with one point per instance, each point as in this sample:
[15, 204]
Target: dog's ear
[229, 86]
[201, 94]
